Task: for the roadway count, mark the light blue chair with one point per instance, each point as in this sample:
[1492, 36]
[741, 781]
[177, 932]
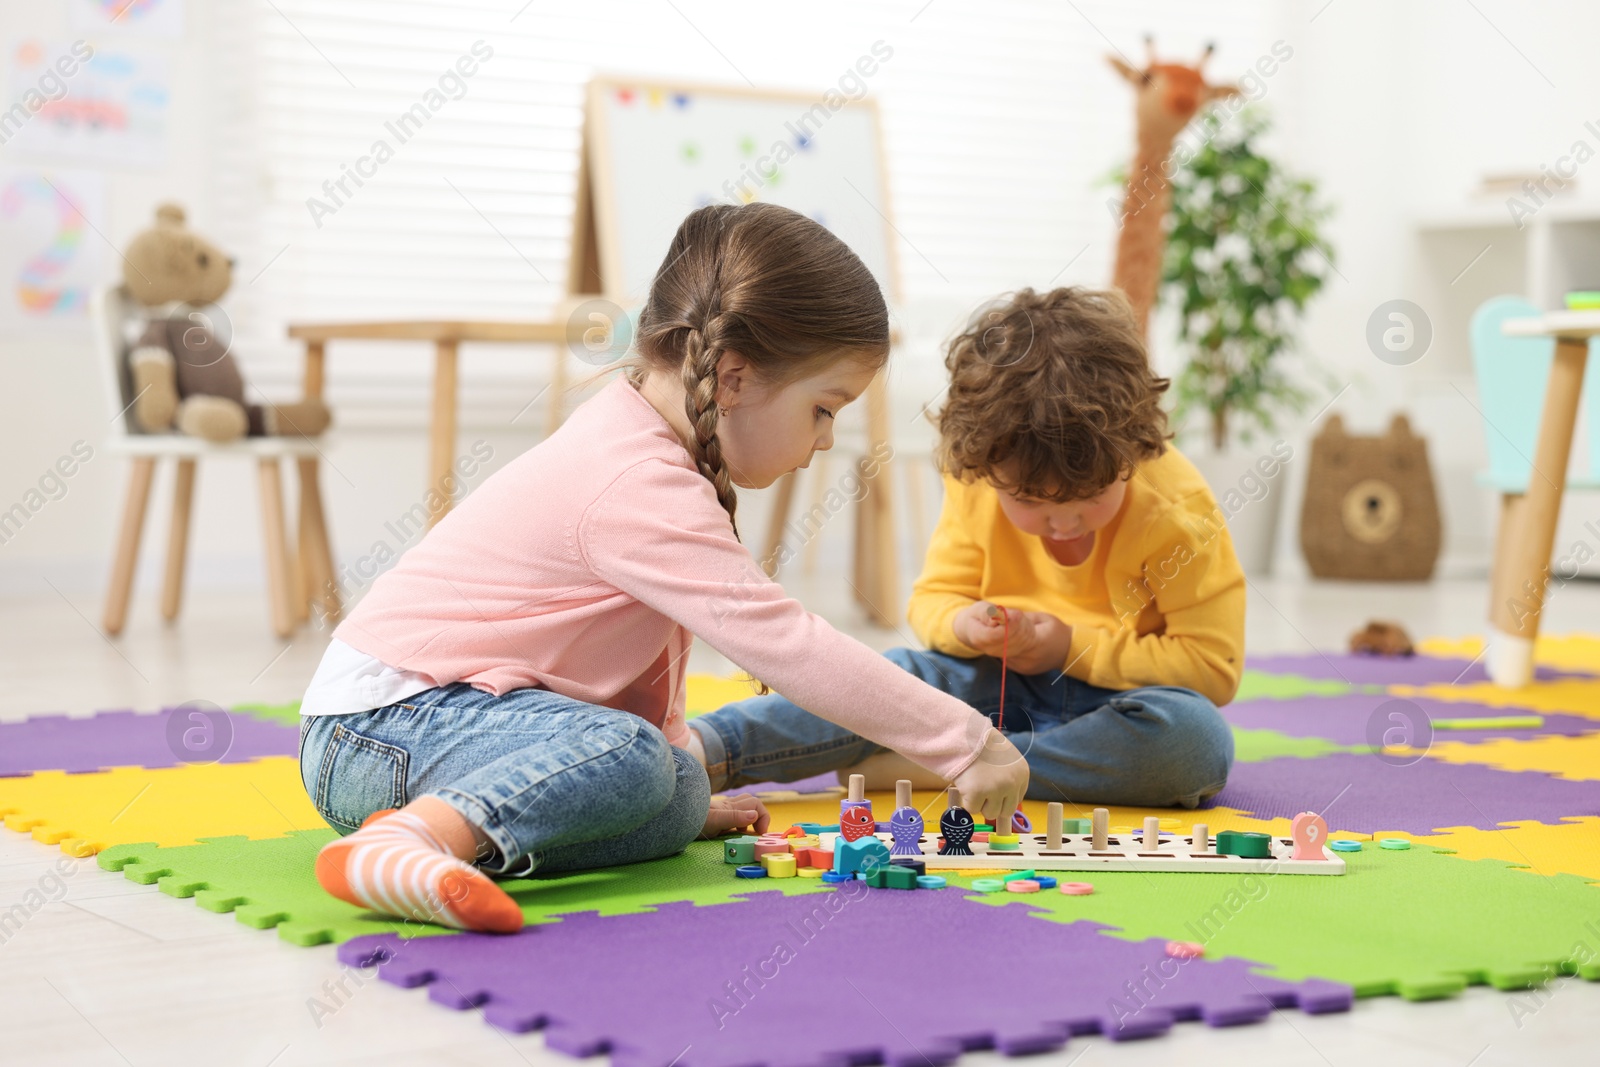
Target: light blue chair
[1512, 373]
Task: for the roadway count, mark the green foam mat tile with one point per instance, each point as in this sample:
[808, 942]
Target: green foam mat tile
[1258, 685]
[287, 714]
[1255, 746]
[269, 883]
[266, 883]
[1419, 923]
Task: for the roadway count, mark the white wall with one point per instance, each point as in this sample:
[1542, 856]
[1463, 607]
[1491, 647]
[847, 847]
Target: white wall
[51, 386]
[1399, 110]
[53, 398]
[1394, 109]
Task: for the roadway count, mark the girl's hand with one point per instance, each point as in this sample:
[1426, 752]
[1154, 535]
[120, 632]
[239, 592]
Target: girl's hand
[996, 781]
[1038, 641]
[738, 812]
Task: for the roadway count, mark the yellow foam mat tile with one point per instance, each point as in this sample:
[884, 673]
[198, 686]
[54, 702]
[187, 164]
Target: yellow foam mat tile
[1571, 846]
[708, 692]
[1575, 758]
[1570, 652]
[1573, 696]
[85, 813]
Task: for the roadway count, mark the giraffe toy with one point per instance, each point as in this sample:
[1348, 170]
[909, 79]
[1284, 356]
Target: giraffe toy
[1166, 97]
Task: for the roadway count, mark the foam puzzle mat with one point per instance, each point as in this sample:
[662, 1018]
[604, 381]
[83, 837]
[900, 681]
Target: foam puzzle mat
[174, 736]
[1359, 670]
[1254, 685]
[1574, 758]
[1566, 652]
[1369, 719]
[1419, 923]
[1366, 794]
[1571, 695]
[1504, 821]
[268, 883]
[85, 813]
[758, 967]
[1571, 846]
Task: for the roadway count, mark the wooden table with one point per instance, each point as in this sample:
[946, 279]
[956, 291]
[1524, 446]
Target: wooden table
[446, 338]
[1518, 582]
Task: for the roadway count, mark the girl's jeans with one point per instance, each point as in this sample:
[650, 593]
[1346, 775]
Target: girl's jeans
[1157, 746]
[555, 784]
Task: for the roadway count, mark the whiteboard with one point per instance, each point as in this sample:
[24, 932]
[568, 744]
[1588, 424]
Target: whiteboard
[658, 151]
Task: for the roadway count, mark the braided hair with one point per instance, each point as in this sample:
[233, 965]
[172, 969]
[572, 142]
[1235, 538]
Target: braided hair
[769, 284]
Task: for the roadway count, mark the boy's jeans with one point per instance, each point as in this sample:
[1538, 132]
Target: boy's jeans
[555, 783]
[1158, 746]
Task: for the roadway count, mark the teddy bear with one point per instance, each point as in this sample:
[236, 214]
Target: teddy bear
[1370, 512]
[184, 377]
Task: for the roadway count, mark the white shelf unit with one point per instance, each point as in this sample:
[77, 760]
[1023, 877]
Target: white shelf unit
[1471, 253]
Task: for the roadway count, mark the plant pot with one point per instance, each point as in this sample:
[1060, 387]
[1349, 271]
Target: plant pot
[1249, 485]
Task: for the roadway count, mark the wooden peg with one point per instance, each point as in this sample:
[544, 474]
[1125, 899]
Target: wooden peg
[902, 794]
[1202, 839]
[1152, 833]
[1100, 824]
[1052, 827]
[857, 797]
[952, 797]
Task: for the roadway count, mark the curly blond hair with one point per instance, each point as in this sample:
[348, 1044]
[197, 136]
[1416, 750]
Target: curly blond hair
[1051, 395]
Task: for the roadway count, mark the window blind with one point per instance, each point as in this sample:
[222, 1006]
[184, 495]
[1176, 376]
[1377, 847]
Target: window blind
[1001, 123]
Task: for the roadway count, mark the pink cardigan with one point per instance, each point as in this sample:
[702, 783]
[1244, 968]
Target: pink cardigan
[587, 565]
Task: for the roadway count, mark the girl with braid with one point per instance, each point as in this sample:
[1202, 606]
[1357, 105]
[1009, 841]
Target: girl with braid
[509, 697]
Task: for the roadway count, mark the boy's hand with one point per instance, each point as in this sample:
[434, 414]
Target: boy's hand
[1050, 642]
[975, 626]
[738, 812]
[1038, 641]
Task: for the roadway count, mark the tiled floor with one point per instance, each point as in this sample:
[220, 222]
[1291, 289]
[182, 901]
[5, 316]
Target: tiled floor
[110, 972]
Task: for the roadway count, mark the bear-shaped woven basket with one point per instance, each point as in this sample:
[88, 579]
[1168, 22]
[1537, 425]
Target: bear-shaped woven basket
[1370, 510]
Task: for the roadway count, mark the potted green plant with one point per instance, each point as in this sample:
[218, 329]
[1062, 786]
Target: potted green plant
[1245, 255]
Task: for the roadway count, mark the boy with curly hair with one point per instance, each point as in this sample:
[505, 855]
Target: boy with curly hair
[1076, 543]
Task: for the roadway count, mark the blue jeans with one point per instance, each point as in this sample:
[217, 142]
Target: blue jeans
[1157, 746]
[554, 783]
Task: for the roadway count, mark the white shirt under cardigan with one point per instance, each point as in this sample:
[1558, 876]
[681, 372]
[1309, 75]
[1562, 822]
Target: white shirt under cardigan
[349, 681]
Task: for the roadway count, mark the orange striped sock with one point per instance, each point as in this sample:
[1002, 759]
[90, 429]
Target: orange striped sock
[397, 865]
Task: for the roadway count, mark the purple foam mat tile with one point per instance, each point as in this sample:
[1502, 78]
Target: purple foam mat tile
[1368, 792]
[1368, 718]
[817, 783]
[711, 987]
[1358, 669]
[131, 739]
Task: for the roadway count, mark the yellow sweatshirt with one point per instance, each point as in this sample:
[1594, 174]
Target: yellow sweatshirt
[1159, 601]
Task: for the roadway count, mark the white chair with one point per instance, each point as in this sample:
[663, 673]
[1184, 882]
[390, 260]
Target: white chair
[294, 583]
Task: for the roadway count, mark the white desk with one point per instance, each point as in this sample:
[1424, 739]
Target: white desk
[1522, 556]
